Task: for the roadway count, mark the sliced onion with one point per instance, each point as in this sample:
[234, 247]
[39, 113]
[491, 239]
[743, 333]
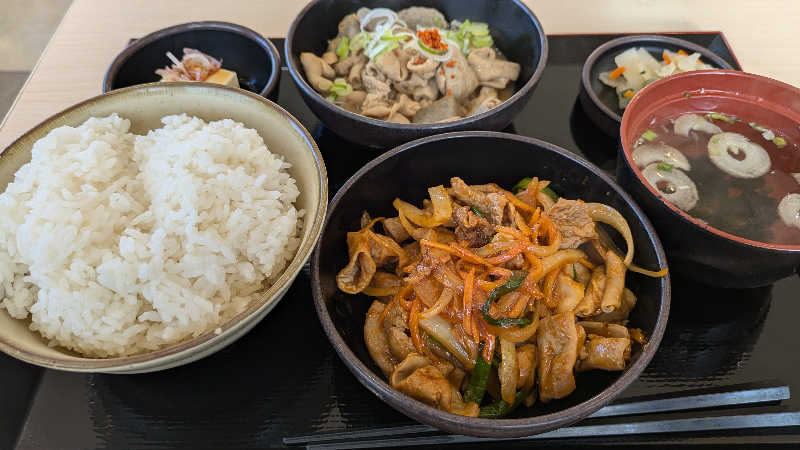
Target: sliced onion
[508, 372]
[376, 13]
[789, 210]
[647, 154]
[756, 160]
[684, 192]
[600, 212]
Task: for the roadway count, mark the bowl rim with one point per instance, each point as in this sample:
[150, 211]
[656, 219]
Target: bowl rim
[272, 51]
[676, 212]
[314, 96]
[490, 427]
[637, 40]
[149, 360]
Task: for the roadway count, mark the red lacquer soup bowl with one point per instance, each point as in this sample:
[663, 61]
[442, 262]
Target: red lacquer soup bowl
[695, 248]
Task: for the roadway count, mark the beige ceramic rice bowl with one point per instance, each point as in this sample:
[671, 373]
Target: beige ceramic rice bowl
[145, 106]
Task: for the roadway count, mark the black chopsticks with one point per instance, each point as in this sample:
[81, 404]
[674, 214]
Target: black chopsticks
[376, 437]
[719, 423]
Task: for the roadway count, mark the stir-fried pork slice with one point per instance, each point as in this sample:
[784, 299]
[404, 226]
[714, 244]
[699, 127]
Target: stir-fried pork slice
[572, 219]
[356, 275]
[472, 228]
[558, 340]
[604, 353]
[422, 17]
[418, 378]
[491, 205]
[376, 340]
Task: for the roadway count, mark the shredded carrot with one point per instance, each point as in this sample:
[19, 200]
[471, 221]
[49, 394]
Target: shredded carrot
[517, 202]
[507, 255]
[468, 285]
[487, 286]
[628, 94]
[616, 73]
[682, 52]
[665, 57]
[536, 268]
[396, 300]
[476, 336]
[449, 92]
[413, 325]
[451, 63]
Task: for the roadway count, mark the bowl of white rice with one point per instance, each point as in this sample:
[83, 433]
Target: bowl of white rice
[152, 226]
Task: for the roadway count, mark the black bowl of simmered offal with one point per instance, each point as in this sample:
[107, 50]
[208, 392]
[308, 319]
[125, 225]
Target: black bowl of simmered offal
[423, 169]
[391, 95]
[230, 54]
[713, 158]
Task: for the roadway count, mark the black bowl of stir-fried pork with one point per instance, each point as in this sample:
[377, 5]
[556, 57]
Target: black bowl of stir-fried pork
[490, 284]
[210, 52]
[382, 73]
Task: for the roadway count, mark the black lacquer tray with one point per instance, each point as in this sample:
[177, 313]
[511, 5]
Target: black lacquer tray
[284, 379]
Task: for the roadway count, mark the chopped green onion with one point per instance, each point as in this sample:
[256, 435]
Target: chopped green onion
[478, 379]
[758, 127]
[550, 193]
[522, 184]
[574, 273]
[513, 283]
[665, 166]
[389, 47]
[481, 41]
[649, 135]
[500, 408]
[779, 141]
[722, 117]
[343, 50]
[687, 95]
[388, 37]
[476, 28]
[331, 98]
[340, 88]
[478, 213]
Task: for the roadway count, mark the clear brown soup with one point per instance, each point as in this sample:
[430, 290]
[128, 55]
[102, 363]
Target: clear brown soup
[746, 208]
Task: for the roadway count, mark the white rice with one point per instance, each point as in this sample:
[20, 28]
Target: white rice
[116, 244]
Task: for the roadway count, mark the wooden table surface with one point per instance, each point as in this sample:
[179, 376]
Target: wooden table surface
[762, 34]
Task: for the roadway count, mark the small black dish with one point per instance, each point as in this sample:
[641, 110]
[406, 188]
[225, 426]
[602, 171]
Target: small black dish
[515, 29]
[599, 101]
[253, 57]
[480, 157]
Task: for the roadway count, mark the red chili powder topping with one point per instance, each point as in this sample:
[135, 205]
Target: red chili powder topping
[432, 39]
[419, 61]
